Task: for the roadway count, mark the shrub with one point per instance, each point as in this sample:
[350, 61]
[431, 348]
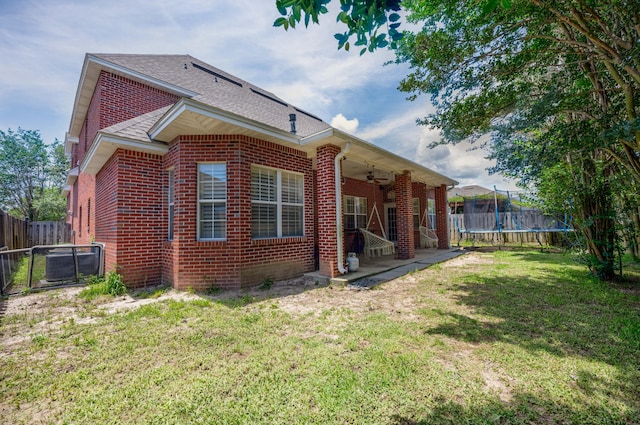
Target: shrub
[112, 284]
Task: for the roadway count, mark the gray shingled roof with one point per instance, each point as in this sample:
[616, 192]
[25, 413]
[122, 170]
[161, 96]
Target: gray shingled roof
[467, 191]
[136, 128]
[219, 89]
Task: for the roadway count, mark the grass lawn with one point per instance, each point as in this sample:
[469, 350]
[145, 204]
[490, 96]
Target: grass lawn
[506, 337]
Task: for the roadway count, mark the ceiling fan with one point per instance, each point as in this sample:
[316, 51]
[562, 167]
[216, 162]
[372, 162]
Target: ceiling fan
[371, 178]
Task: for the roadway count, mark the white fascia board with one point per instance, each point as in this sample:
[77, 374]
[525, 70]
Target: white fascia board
[189, 105]
[66, 190]
[72, 176]
[76, 101]
[68, 141]
[321, 135]
[104, 146]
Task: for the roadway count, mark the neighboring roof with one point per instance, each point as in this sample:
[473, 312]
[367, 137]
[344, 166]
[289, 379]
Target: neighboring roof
[214, 102]
[468, 191]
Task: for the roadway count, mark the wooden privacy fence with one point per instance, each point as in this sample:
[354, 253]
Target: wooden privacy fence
[14, 233]
[49, 233]
[20, 234]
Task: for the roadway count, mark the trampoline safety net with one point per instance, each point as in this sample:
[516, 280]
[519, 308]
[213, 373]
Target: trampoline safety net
[507, 211]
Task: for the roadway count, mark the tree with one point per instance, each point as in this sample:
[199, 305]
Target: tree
[31, 175]
[554, 83]
[367, 20]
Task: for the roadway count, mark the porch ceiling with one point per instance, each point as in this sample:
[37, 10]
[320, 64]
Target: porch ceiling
[363, 157]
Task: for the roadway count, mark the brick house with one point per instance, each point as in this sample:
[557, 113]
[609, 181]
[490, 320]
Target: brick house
[195, 178]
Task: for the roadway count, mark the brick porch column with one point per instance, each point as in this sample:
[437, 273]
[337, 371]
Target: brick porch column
[442, 222]
[326, 192]
[404, 216]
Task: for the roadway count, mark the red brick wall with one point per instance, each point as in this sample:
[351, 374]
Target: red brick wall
[129, 189]
[404, 215]
[115, 99]
[239, 260]
[327, 241]
[106, 195]
[122, 99]
[442, 231]
[374, 195]
[379, 194]
[419, 190]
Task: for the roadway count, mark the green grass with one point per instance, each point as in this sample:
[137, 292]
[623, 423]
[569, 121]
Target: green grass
[512, 337]
[111, 285]
[20, 277]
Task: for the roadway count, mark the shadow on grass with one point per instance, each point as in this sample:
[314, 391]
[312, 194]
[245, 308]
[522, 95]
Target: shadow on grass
[556, 310]
[524, 409]
[562, 318]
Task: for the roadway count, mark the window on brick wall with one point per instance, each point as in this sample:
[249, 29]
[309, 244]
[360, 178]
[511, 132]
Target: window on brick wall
[212, 201]
[431, 210]
[416, 213]
[89, 216]
[171, 203]
[277, 203]
[80, 222]
[355, 212]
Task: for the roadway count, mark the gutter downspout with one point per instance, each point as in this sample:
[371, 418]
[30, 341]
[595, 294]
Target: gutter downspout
[339, 228]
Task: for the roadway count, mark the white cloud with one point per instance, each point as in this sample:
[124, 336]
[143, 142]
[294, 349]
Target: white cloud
[342, 123]
[43, 44]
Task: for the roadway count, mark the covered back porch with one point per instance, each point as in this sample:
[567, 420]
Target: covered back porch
[361, 186]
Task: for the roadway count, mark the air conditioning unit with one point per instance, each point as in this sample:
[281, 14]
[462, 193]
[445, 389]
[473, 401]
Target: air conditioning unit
[60, 266]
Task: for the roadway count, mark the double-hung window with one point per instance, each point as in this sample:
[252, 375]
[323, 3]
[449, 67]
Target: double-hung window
[277, 203]
[416, 213]
[212, 201]
[355, 212]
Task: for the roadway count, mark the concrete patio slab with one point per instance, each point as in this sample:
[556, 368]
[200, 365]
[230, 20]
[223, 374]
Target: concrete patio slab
[374, 271]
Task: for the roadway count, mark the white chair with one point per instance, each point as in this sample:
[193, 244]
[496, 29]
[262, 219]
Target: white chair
[375, 245]
[428, 238]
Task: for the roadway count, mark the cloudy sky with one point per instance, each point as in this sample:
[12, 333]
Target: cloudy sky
[43, 43]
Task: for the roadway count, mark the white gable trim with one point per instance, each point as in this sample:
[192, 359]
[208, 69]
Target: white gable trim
[161, 129]
[105, 145]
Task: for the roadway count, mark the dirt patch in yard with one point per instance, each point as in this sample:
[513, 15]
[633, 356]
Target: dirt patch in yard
[27, 316]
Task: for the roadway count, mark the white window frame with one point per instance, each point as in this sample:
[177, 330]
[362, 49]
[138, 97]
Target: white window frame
[214, 202]
[415, 203]
[431, 213]
[279, 203]
[171, 204]
[357, 212]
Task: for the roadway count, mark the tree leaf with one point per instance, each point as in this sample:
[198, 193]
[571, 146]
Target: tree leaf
[489, 6]
[281, 22]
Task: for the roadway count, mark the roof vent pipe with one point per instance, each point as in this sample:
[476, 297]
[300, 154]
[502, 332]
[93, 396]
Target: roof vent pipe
[292, 121]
